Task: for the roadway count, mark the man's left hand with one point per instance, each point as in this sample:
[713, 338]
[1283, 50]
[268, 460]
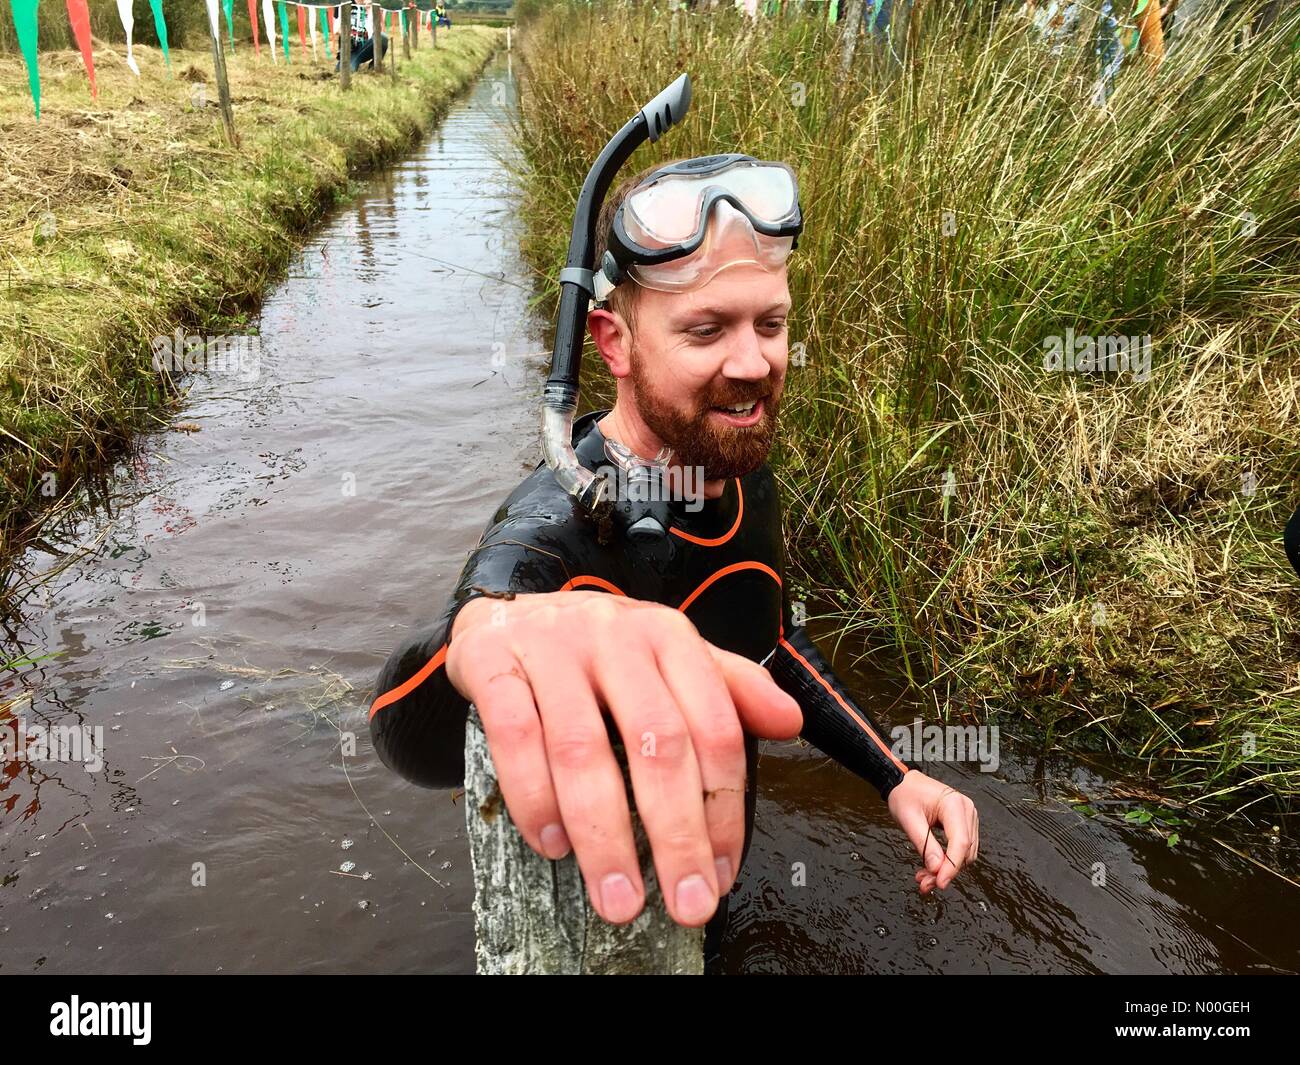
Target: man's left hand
[919, 802]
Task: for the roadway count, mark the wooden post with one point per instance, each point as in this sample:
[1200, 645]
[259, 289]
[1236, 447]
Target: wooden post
[533, 916]
[405, 24]
[433, 30]
[416, 15]
[345, 46]
[377, 36]
[223, 86]
[396, 29]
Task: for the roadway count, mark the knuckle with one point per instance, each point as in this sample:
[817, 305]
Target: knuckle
[574, 748]
[671, 742]
[721, 738]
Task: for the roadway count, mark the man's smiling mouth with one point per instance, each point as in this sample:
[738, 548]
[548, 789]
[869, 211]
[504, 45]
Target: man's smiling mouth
[740, 414]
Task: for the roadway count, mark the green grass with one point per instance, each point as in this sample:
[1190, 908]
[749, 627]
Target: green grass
[1106, 561]
[129, 216]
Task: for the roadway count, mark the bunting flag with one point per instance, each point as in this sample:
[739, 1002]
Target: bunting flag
[228, 6]
[325, 31]
[214, 20]
[311, 32]
[302, 29]
[252, 18]
[268, 20]
[284, 28]
[79, 18]
[403, 14]
[128, 24]
[24, 13]
[329, 15]
[161, 26]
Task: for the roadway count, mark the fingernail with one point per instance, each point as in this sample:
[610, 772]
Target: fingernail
[555, 842]
[619, 898]
[723, 866]
[695, 899]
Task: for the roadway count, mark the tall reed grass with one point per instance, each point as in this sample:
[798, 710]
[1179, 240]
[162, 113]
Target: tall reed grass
[1096, 551]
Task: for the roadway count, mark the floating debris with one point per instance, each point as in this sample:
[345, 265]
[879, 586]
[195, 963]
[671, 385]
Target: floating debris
[347, 867]
[226, 685]
[346, 844]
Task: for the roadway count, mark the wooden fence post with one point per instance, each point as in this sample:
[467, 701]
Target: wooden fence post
[345, 46]
[377, 37]
[223, 85]
[532, 915]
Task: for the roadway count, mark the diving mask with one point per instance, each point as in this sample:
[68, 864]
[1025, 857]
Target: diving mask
[687, 221]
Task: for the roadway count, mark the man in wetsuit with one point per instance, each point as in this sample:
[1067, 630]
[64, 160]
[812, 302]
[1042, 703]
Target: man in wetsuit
[683, 637]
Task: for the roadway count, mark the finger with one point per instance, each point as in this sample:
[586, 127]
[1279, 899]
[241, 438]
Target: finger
[955, 817]
[913, 820]
[665, 774]
[588, 782]
[764, 709]
[498, 686]
[695, 681]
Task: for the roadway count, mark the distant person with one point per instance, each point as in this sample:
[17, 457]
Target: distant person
[440, 10]
[363, 43]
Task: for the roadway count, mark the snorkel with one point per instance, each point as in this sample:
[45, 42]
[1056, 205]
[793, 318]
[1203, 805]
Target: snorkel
[560, 397]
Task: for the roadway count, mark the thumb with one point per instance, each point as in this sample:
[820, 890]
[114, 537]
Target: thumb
[764, 709]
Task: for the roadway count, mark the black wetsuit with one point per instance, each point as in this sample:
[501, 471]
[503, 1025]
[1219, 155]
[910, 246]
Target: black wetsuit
[722, 565]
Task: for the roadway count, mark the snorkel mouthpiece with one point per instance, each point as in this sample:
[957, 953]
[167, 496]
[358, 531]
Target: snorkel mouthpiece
[560, 397]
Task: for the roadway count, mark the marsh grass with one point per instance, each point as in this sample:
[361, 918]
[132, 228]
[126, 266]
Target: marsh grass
[1097, 553]
[129, 216]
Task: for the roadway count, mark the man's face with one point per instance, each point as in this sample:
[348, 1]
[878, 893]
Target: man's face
[700, 355]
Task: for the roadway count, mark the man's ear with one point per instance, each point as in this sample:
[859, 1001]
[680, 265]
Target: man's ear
[613, 339]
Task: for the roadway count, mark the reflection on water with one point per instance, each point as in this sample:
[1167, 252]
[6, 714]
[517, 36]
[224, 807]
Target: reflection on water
[230, 612]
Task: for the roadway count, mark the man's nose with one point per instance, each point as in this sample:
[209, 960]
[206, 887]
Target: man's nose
[745, 360]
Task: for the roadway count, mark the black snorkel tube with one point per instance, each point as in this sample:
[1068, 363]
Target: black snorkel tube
[560, 398]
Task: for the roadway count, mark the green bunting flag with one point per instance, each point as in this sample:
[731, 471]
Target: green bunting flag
[284, 28]
[24, 12]
[161, 26]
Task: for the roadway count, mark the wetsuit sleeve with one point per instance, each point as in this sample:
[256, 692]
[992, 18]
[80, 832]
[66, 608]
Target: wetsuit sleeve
[832, 721]
[417, 720]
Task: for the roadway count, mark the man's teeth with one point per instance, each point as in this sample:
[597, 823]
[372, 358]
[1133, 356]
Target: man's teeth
[747, 409]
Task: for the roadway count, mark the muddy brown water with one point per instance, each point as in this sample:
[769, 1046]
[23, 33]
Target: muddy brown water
[224, 620]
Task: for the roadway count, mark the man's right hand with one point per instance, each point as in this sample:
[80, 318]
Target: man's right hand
[542, 669]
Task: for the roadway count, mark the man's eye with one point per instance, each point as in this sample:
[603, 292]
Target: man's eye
[705, 332]
[774, 324]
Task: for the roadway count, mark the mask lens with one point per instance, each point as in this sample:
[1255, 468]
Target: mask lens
[668, 212]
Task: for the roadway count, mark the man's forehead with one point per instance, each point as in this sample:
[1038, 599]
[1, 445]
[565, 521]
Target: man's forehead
[735, 298]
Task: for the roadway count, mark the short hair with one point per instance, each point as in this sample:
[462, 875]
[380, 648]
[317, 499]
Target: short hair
[622, 300]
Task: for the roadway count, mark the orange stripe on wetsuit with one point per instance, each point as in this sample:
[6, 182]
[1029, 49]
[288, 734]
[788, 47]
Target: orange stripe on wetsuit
[839, 699]
[719, 541]
[584, 580]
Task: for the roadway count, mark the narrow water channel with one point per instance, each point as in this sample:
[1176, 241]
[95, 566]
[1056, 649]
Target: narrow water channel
[224, 619]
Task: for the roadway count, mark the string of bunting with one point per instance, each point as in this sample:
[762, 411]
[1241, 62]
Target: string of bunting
[24, 14]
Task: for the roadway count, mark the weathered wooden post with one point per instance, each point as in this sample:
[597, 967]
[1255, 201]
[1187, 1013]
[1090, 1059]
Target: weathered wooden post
[394, 27]
[345, 46]
[219, 70]
[416, 15]
[532, 915]
[377, 37]
[404, 22]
